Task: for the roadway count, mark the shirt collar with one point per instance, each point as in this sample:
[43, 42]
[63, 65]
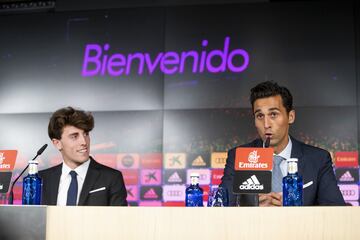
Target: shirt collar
[80, 170]
[286, 153]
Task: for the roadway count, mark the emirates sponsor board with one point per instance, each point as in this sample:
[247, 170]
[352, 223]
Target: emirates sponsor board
[151, 160]
[174, 204]
[131, 176]
[206, 189]
[7, 159]
[255, 159]
[346, 159]
[216, 175]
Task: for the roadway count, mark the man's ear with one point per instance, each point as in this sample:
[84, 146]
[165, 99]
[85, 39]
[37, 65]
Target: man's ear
[291, 116]
[57, 143]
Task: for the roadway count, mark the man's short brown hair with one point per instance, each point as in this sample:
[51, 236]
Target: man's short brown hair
[69, 117]
[270, 89]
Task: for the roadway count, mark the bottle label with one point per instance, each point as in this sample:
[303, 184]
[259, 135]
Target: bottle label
[33, 169]
[292, 167]
[194, 180]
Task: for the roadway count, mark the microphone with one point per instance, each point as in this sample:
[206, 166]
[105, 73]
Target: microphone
[11, 194]
[267, 142]
[40, 151]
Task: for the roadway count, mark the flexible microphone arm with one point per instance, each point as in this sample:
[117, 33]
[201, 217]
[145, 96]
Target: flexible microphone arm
[266, 143]
[11, 194]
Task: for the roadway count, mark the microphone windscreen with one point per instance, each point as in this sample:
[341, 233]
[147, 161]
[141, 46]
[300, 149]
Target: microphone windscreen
[42, 149]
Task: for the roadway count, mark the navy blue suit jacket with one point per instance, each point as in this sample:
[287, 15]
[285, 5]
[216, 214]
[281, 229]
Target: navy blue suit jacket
[98, 176]
[314, 164]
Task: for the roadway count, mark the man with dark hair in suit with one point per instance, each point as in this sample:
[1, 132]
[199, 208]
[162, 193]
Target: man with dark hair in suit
[79, 179]
[272, 107]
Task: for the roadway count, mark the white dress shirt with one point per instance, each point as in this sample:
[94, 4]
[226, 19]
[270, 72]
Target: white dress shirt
[65, 180]
[286, 154]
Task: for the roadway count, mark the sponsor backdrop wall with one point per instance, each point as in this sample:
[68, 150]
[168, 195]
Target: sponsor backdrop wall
[169, 86]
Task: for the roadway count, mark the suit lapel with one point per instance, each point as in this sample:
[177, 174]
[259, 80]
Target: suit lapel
[53, 186]
[257, 143]
[90, 179]
[296, 152]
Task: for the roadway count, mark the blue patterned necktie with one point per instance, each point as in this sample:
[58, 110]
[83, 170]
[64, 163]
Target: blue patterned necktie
[73, 190]
[276, 185]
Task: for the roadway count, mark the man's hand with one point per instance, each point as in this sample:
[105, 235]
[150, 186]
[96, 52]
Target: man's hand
[272, 199]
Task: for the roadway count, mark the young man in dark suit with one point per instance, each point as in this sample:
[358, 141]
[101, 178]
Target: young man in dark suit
[79, 179]
[273, 111]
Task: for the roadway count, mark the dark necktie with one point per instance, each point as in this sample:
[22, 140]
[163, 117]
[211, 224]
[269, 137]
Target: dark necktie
[276, 185]
[73, 190]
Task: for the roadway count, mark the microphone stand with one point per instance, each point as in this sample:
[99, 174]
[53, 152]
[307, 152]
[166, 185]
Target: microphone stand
[11, 194]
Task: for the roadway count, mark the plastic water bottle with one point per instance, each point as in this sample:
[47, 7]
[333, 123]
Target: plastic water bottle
[194, 193]
[218, 197]
[292, 185]
[32, 186]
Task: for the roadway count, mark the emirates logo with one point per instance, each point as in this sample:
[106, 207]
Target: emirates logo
[253, 157]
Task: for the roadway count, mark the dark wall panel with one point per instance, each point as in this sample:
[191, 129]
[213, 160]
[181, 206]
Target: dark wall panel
[69, 5]
[308, 47]
[44, 63]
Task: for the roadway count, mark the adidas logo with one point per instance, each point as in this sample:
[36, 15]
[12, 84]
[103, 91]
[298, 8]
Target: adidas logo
[251, 183]
[347, 177]
[151, 194]
[199, 162]
[174, 178]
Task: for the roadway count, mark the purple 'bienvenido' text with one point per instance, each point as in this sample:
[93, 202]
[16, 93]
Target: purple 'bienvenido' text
[97, 62]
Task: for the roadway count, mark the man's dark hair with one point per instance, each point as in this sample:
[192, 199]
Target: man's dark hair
[270, 89]
[69, 117]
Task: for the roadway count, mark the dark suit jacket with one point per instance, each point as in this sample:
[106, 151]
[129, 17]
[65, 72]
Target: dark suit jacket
[314, 164]
[97, 176]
